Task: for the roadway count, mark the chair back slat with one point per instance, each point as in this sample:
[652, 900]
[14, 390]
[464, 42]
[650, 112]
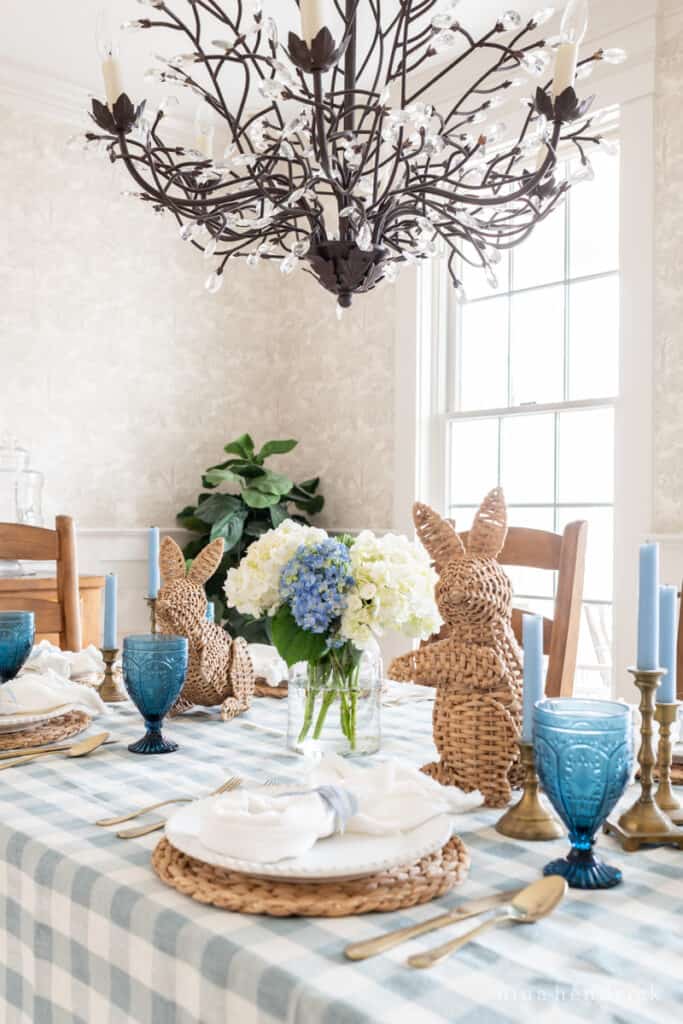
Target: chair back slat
[29, 543]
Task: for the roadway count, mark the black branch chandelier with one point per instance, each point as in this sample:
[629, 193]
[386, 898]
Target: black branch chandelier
[335, 161]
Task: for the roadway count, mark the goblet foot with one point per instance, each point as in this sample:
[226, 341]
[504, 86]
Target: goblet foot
[153, 743]
[583, 870]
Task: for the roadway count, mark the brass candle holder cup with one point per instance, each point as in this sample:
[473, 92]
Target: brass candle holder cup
[645, 823]
[108, 690]
[529, 818]
[152, 605]
[665, 716]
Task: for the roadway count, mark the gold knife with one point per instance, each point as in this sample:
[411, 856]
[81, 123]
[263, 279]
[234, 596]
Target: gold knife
[362, 950]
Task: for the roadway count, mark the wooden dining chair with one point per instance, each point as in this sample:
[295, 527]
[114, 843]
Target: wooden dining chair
[33, 543]
[564, 553]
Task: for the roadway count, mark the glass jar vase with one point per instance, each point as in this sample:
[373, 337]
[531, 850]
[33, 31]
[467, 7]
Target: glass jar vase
[334, 704]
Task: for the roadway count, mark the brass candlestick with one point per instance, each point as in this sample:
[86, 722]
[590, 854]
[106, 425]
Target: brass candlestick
[644, 823]
[152, 604]
[108, 690]
[666, 715]
[529, 818]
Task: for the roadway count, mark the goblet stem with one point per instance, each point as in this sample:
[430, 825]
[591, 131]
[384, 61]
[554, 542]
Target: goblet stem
[153, 742]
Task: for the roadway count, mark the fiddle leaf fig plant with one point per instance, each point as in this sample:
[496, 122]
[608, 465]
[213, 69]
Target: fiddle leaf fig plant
[241, 500]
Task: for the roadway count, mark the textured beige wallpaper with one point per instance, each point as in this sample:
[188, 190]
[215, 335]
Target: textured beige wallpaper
[669, 272]
[126, 378]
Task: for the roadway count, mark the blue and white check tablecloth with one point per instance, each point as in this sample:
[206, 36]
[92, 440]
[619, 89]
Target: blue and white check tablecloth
[89, 935]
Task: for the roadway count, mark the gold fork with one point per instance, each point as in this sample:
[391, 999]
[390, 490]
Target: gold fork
[122, 819]
[156, 826]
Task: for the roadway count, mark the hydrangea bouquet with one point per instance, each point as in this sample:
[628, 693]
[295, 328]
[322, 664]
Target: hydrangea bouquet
[329, 600]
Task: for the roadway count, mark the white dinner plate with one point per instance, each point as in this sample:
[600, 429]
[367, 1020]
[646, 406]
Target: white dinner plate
[24, 723]
[351, 855]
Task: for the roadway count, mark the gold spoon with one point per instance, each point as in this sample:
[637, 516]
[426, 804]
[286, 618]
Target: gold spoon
[528, 906]
[81, 749]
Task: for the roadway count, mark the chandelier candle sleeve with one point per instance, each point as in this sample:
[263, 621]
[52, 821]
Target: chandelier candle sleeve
[572, 32]
[153, 579]
[532, 630]
[648, 608]
[110, 610]
[668, 599]
[312, 19]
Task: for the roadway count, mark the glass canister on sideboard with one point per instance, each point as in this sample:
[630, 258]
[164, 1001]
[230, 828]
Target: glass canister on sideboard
[21, 493]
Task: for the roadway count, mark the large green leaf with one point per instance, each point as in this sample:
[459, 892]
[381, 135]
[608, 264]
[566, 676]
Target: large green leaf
[246, 469]
[230, 526]
[257, 527]
[259, 499]
[293, 643]
[272, 483]
[217, 506]
[276, 448]
[310, 486]
[278, 514]
[214, 477]
[242, 446]
[189, 521]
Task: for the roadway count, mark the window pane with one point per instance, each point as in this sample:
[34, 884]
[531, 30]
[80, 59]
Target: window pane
[474, 460]
[531, 518]
[475, 283]
[594, 338]
[594, 220]
[599, 558]
[594, 660]
[528, 459]
[537, 346]
[540, 259]
[483, 367]
[462, 517]
[586, 447]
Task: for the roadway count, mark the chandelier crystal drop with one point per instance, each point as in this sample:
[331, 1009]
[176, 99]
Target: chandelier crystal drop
[324, 150]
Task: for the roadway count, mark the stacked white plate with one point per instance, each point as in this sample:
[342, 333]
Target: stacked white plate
[26, 722]
[340, 857]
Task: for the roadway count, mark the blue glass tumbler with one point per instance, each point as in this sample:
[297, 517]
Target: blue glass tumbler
[584, 759]
[17, 633]
[154, 669]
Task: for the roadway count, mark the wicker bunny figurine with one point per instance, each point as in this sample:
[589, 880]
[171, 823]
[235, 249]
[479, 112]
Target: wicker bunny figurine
[219, 669]
[476, 665]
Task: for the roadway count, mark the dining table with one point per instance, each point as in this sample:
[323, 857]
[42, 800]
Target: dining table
[90, 935]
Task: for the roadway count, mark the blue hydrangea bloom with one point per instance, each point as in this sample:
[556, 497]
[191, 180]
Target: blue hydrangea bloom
[315, 583]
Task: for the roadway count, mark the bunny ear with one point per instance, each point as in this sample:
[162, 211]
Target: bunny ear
[490, 526]
[207, 561]
[437, 535]
[171, 561]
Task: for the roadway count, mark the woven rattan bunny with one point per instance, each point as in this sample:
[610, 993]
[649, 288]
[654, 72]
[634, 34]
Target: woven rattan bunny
[220, 669]
[476, 665]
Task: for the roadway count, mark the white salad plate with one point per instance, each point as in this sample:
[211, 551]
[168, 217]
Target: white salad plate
[25, 722]
[338, 857]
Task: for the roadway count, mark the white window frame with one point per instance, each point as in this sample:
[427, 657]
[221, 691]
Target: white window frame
[420, 383]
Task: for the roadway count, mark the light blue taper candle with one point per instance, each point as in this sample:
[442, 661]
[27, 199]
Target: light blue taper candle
[110, 601]
[153, 578]
[668, 600]
[648, 608]
[532, 638]
[211, 612]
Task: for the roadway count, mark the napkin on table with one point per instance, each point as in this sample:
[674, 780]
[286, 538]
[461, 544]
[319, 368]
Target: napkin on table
[78, 665]
[38, 691]
[387, 799]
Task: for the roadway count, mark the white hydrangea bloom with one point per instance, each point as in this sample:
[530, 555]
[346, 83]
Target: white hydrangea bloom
[394, 590]
[253, 588]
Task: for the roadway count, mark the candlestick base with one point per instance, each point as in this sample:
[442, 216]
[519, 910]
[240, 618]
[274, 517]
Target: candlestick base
[645, 823]
[529, 818]
[665, 715]
[152, 605]
[108, 689]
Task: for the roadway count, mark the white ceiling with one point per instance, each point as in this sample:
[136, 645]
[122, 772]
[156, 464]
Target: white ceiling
[58, 39]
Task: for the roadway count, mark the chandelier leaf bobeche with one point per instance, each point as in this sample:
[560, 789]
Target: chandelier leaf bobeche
[334, 160]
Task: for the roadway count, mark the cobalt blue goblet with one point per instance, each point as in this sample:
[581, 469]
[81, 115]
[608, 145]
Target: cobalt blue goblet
[584, 758]
[154, 669]
[17, 633]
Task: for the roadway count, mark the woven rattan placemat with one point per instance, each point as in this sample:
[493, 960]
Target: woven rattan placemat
[61, 728]
[396, 889]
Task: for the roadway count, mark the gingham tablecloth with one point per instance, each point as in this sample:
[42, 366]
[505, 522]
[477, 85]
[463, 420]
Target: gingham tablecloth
[88, 935]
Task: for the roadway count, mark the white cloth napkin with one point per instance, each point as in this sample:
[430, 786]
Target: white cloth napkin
[268, 664]
[388, 799]
[68, 664]
[40, 691]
